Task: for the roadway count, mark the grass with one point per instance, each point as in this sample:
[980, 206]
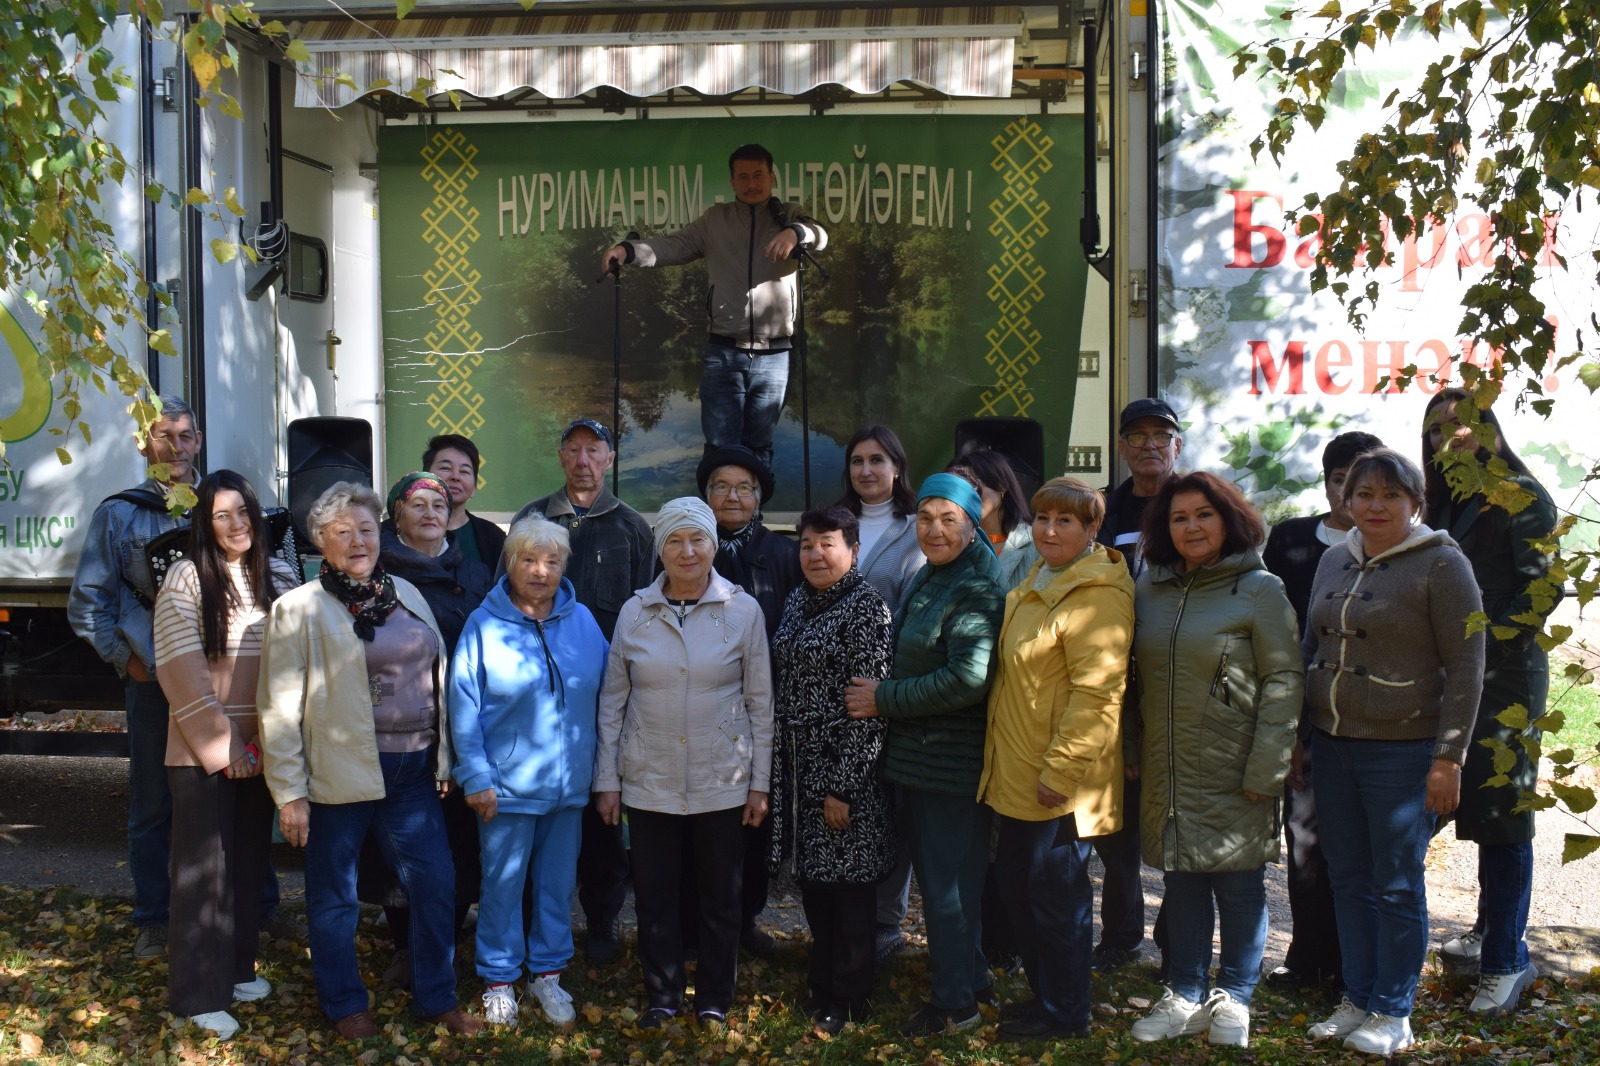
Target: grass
[78, 997]
[1580, 705]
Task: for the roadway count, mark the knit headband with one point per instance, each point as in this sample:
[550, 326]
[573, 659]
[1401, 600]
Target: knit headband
[417, 481]
[686, 512]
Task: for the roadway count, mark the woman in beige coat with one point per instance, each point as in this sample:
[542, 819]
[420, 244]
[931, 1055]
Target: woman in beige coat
[356, 739]
[685, 744]
[1052, 763]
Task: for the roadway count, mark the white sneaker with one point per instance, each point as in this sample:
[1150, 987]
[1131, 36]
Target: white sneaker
[220, 1022]
[1230, 1020]
[1498, 993]
[1172, 1016]
[1346, 1020]
[553, 998]
[252, 990]
[1380, 1034]
[1468, 945]
[500, 1005]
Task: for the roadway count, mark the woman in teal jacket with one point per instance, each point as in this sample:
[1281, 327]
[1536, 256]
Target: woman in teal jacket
[524, 686]
[935, 701]
[1221, 684]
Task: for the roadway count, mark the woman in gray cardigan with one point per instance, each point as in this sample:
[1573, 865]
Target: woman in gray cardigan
[1392, 686]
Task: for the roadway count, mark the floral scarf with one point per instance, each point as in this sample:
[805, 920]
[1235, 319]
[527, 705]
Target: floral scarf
[370, 602]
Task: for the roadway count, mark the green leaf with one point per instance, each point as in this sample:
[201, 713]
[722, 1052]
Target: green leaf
[1513, 717]
[225, 251]
[297, 52]
[402, 8]
[1589, 374]
[1578, 846]
[196, 197]
[64, 457]
[230, 200]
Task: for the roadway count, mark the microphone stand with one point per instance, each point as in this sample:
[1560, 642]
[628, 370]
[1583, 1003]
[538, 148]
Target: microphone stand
[802, 255]
[616, 361]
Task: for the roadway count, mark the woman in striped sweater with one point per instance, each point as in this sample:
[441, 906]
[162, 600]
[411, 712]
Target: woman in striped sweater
[209, 621]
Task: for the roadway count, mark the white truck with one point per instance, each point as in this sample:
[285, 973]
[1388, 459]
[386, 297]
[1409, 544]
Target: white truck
[1038, 213]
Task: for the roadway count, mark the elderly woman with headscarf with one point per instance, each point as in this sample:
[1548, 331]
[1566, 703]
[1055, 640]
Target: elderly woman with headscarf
[523, 688]
[355, 736]
[415, 544]
[685, 743]
[935, 704]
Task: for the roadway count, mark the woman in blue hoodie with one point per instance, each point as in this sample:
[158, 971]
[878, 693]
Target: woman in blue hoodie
[523, 689]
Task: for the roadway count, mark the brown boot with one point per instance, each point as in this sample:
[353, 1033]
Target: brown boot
[397, 974]
[457, 1021]
[357, 1026]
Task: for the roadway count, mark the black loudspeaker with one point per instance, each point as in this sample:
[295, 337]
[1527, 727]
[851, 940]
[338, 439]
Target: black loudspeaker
[323, 451]
[1020, 440]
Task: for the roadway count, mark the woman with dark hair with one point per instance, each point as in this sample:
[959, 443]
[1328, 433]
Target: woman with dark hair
[831, 815]
[1392, 684]
[1007, 521]
[877, 490]
[1221, 684]
[208, 625]
[1502, 548]
[455, 460]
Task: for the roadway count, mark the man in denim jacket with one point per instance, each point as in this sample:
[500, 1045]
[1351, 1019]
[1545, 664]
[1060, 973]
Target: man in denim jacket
[110, 607]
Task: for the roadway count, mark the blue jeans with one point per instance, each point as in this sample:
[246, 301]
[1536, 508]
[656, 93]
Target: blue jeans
[511, 844]
[1241, 908]
[149, 802]
[409, 828]
[1505, 886]
[1371, 797]
[1042, 869]
[949, 837]
[741, 397]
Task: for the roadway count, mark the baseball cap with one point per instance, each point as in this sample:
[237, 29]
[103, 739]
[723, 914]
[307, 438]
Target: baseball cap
[592, 426]
[1150, 407]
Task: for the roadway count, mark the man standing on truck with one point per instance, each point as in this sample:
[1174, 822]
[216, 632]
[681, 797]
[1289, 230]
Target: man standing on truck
[1149, 442]
[747, 245]
[613, 553]
[110, 605]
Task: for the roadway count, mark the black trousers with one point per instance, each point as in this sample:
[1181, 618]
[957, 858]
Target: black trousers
[753, 892]
[1122, 895]
[658, 849]
[221, 831]
[602, 870]
[1314, 944]
[843, 920]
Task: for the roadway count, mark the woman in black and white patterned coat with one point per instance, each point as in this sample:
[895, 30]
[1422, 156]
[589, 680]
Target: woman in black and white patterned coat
[831, 815]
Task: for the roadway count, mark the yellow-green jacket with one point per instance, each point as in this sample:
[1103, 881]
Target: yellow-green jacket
[1055, 708]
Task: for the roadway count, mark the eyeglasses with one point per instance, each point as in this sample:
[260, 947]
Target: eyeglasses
[1160, 439]
[738, 492]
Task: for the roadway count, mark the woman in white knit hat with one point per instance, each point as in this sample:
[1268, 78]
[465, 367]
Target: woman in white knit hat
[685, 746]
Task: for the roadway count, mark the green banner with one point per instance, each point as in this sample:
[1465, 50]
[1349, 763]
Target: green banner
[956, 288]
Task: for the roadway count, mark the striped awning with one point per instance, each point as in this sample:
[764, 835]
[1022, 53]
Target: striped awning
[960, 51]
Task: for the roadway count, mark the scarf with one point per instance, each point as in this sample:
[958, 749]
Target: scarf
[370, 602]
[734, 542]
[817, 601]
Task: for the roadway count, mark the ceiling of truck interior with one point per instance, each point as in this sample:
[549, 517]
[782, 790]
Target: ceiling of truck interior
[579, 53]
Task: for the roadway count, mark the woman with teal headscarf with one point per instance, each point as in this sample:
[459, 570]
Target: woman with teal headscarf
[935, 703]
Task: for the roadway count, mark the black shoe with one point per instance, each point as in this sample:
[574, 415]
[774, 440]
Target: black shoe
[987, 996]
[1021, 1009]
[657, 1018]
[1288, 980]
[710, 1016]
[757, 941]
[600, 946]
[931, 1021]
[1010, 965]
[836, 1017]
[1036, 1027]
[888, 942]
[1108, 959]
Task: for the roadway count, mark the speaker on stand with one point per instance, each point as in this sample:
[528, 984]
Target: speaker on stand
[322, 452]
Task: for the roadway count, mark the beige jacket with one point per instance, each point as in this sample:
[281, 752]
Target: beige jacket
[315, 703]
[686, 711]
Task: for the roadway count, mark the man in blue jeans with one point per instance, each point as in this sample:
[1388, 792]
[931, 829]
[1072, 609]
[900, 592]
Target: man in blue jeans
[747, 245]
[109, 606]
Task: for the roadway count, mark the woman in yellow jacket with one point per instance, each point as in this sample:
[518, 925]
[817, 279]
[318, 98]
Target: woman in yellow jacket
[1052, 763]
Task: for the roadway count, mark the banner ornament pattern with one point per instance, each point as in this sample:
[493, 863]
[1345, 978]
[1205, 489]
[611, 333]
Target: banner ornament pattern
[454, 347]
[1022, 160]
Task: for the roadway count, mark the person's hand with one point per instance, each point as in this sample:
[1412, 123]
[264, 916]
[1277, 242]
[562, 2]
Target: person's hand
[836, 812]
[608, 805]
[243, 767]
[782, 246]
[137, 669]
[1297, 768]
[755, 808]
[861, 698]
[1049, 797]
[1444, 787]
[1253, 797]
[294, 819]
[444, 788]
[614, 259]
[484, 804]
[1130, 771]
